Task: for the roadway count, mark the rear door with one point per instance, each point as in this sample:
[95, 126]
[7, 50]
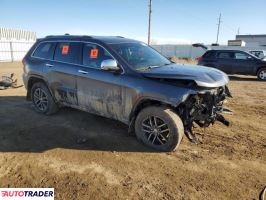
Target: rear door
[225, 61]
[42, 56]
[62, 71]
[99, 91]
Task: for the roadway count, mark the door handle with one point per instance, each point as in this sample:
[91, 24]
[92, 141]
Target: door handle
[83, 72]
[49, 65]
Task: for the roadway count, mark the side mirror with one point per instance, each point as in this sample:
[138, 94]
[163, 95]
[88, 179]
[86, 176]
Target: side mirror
[109, 65]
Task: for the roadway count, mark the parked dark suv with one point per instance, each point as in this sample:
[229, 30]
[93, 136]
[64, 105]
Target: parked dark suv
[234, 62]
[125, 80]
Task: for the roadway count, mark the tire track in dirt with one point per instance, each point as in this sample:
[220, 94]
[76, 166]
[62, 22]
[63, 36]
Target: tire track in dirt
[60, 166]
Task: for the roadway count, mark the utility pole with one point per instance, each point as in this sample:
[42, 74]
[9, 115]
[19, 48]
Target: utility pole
[218, 30]
[149, 27]
[238, 31]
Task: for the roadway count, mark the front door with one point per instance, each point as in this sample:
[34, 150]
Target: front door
[244, 63]
[98, 91]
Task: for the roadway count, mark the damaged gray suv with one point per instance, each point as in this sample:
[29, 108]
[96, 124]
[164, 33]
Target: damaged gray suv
[126, 80]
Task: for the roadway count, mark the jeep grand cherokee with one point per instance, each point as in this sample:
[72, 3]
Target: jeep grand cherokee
[126, 80]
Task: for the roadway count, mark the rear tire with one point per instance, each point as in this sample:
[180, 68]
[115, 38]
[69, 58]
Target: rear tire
[262, 74]
[159, 128]
[42, 99]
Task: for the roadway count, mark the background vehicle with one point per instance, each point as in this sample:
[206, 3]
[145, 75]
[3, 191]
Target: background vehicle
[234, 62]
[125, 80]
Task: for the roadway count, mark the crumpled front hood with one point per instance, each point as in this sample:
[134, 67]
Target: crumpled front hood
[203, 76]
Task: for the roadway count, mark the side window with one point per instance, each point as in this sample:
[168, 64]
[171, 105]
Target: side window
[45, 50]
[208, 54]
[241, 56]
[225, 55]
[69, 52]
[93, 55]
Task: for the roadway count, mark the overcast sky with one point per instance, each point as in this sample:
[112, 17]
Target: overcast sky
[173, 21]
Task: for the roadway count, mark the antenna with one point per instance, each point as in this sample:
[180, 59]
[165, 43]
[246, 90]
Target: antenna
[149, 27]
[218, 30]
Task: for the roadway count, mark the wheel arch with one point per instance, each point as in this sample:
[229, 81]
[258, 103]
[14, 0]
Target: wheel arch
[141, 104]
[258, 73]
[259, 68]
[32, 80]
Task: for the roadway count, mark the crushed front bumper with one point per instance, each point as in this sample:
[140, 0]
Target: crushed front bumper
[203, 109]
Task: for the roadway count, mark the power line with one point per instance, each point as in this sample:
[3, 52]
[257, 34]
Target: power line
[218, 30]
[149, 27]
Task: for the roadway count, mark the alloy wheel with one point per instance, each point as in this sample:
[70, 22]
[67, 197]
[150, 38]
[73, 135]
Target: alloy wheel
[262, 75]
[40, 99]
[156, 130]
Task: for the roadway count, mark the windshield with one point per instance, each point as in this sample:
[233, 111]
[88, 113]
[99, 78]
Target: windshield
[258, 54]
[140, 56]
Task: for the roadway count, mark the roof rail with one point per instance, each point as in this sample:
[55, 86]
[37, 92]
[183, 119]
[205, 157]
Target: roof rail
[120, 36]
[68, 35]
[86, 36]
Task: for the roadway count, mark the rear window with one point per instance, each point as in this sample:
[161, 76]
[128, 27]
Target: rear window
[45, 50]
[69, 52]
[225, 55]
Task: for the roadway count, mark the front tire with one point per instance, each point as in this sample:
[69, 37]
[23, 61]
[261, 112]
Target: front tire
[262, 74]
[159, 128]
[42, 99]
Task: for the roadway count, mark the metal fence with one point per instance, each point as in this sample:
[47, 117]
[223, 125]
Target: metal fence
[188, 51]
[13, 51]
[180, 51]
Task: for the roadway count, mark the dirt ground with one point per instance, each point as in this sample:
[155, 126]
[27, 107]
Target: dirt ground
[43, 151]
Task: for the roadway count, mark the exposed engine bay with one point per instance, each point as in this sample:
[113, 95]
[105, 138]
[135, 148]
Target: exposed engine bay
[204, 109]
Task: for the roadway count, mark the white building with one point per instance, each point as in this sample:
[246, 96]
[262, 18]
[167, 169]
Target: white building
[253, 40]
[15, 43]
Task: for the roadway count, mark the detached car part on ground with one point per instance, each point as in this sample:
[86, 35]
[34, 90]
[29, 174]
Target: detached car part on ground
[128, 81]
[8, 82]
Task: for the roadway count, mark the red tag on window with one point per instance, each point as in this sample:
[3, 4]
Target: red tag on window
[65, 49]
[94, 53]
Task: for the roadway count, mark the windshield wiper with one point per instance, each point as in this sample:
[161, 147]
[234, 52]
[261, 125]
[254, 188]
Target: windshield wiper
[153, 66]
[144, 68]
[165, 64]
